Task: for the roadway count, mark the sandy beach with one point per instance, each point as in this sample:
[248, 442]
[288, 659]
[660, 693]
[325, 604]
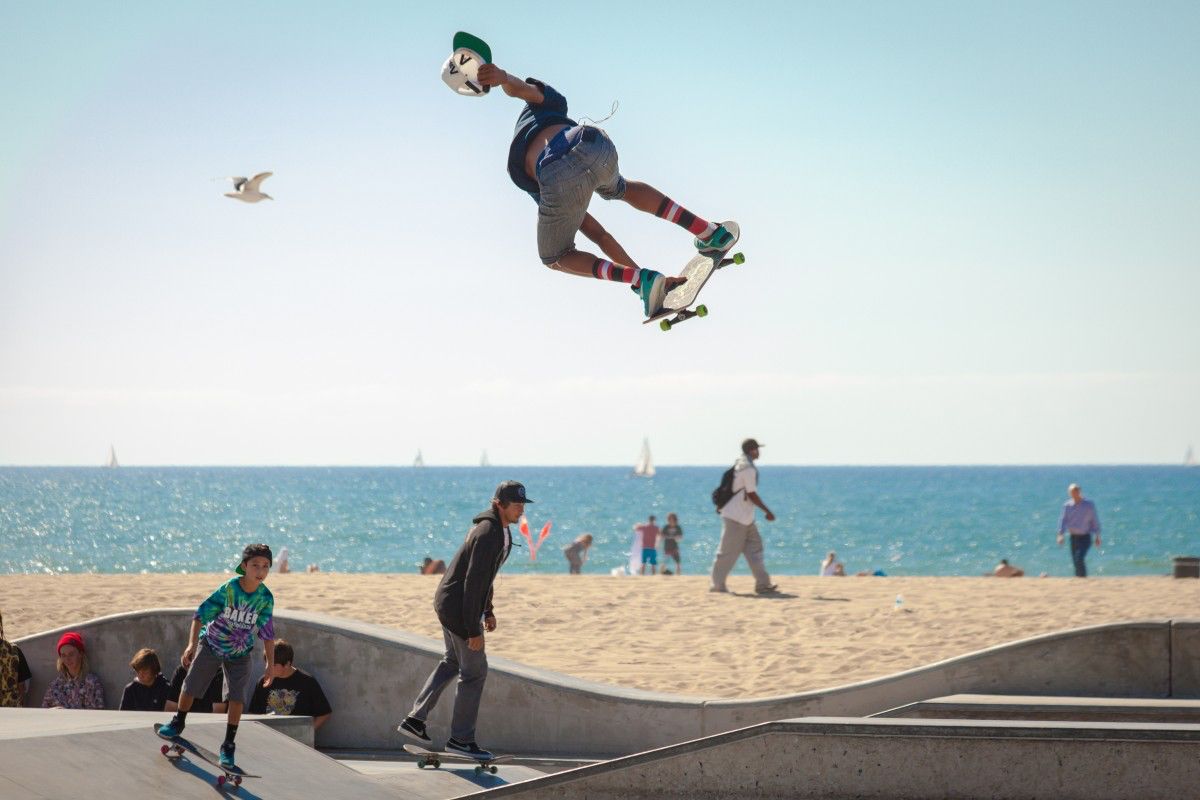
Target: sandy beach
[669, 633]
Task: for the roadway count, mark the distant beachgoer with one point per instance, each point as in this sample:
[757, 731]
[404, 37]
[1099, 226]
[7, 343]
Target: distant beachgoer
[1006, 570]
[281, 561]
[671, 534]
[314, 568]
[431, 567]
[839, 570]
[221, 639]
[577, 553]
[649, 533]
[828, 564]
[463, 603]
[1080, 520]
[75, 686]
[739, 534]
[212, 701]
[149, 690]
[14, 673]
[293, 692]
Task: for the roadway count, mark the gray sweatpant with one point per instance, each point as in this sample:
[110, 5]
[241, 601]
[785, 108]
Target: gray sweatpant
[471, 668]
[736, 540]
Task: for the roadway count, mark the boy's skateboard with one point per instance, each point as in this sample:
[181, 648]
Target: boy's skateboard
[678, 302]
[434, 758]
[179, 745]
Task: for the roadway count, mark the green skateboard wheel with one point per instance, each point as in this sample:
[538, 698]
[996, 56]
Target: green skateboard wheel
[701, 311]
[739, 258]
[665, 325]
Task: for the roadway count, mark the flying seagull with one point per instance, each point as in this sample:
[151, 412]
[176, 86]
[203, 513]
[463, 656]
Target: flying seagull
[247, 190]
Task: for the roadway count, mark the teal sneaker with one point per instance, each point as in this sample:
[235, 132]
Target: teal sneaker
[226, 758]
[171, 729]
[720, 241]
[652, 290]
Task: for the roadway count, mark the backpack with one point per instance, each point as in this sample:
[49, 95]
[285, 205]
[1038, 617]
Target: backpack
[724, 492]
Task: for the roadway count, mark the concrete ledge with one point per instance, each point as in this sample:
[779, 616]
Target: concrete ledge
[831, 758]
[1032, 708]
[371, 673]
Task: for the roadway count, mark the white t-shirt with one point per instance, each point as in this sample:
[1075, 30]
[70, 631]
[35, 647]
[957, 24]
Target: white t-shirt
[745, 477]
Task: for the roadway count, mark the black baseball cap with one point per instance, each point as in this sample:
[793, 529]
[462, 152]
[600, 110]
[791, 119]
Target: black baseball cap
[252, 551]
[511, 492]
[751, 444]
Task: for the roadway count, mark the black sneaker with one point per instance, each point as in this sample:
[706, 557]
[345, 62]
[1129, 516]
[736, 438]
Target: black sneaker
[469, 749]
[414, 728]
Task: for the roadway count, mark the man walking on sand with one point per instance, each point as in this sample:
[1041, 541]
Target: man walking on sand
[739, 534]
[463, 603]
[1079, 519]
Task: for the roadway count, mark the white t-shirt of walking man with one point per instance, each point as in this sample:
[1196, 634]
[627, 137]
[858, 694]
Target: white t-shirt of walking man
[745, 481]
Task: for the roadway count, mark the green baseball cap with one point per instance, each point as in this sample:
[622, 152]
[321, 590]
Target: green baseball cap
[474, 43]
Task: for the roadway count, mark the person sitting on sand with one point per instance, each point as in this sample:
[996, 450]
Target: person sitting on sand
[75, 686]
[829, 564]
[431, 567]
[577, 553]
[14, 673]
[149, 690]
[1006, 570]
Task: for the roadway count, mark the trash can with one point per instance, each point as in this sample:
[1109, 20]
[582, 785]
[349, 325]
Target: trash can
[1187, 567]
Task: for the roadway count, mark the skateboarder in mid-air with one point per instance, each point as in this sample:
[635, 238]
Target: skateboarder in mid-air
[560, 163]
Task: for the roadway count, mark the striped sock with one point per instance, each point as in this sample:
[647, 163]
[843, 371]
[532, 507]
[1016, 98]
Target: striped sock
[670, 210]
[608, 271]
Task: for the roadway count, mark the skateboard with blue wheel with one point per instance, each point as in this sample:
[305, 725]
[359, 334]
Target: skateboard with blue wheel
[677, 305]
[434, 758]
[177, 746]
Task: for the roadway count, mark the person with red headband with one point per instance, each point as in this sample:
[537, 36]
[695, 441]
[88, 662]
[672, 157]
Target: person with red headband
[75, 686]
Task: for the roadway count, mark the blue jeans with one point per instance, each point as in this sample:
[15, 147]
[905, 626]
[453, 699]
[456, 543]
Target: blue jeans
[577, 162]
[1079, 547]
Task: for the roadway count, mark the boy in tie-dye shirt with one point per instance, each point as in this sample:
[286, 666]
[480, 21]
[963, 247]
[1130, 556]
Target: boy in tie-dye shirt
[224, 629]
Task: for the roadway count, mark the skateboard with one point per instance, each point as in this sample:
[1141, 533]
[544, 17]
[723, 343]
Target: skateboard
[178, 746]
[434, 758]
[677, 305]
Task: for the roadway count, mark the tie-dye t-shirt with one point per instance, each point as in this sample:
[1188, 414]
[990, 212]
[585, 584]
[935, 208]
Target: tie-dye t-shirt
[232, 619]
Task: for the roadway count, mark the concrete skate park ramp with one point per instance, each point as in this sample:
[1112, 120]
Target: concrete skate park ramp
[105, 754]
[370, 673]
[833, 758]
[1030, 708]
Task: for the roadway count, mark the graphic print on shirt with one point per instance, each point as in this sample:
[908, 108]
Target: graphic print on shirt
[282, 701]
[232, 619]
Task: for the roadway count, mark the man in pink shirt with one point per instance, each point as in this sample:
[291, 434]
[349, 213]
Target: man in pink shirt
[649, 533]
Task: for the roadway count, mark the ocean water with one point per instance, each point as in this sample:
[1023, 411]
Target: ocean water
[903, 520]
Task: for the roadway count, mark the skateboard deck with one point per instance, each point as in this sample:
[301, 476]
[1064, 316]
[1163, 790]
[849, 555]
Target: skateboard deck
[677, 305]
[177, 746]
[434, 759]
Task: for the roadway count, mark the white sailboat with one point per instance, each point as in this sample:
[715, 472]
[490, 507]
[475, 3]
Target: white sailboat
[483, 460]
[418, 461]
[112, 458]
[1189, 458]
[644, 468]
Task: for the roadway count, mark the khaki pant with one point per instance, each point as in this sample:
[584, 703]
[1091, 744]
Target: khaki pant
[737, 540]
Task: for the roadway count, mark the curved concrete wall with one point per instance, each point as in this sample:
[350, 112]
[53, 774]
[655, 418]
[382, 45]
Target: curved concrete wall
[371, 674]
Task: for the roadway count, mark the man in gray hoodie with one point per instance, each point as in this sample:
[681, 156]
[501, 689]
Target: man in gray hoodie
[463, 603]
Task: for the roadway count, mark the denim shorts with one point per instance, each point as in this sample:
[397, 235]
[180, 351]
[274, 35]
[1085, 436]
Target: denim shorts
[576, 162]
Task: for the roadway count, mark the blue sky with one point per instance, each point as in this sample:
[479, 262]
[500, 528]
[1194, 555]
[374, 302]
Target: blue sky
[971, 232]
